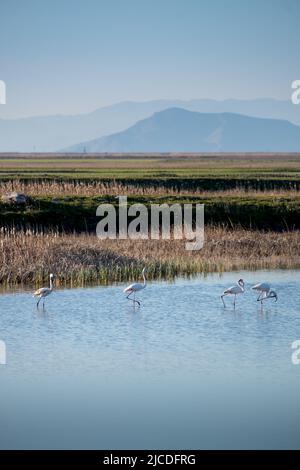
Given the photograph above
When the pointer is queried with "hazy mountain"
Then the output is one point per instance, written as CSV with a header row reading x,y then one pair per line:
x,y
178,130
50,133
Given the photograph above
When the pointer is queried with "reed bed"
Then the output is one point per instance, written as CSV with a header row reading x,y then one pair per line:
x,y
80,259
115,188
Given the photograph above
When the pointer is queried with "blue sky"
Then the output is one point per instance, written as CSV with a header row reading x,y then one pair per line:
x,y
69,56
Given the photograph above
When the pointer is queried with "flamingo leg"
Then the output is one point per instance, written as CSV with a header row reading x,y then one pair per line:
x,y
37,305
234,300
259,297
223,299
137,301
133,299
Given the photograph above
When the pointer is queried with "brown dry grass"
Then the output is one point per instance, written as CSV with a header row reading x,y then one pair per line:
x,y
28,258
114,188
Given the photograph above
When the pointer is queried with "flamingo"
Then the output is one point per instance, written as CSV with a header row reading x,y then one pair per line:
x,y
265,292
133,288
44,291
239,288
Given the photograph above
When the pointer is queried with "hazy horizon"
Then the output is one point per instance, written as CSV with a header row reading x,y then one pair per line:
x,y
262,98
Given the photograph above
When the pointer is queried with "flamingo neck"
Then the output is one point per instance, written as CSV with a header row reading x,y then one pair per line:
x,y
145,281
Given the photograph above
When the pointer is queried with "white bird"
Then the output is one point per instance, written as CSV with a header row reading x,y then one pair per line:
x,y
265,292
44,291
239,288
133,288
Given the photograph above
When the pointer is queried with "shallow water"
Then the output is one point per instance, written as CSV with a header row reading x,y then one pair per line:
x,y
180,372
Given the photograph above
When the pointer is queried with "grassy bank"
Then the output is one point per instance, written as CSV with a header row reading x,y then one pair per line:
x,y
69,213
77,260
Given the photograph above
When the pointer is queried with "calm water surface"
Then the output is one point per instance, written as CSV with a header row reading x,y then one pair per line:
x,y
180,372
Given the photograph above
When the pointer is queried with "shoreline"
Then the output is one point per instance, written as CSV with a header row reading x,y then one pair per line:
x,y
15,289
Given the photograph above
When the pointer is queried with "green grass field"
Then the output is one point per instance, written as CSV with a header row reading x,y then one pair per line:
x,y
90,180
194,172
176,165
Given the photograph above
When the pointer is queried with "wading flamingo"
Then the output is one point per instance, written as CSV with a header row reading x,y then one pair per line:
x,y
44,291
133,288
265,292
234,290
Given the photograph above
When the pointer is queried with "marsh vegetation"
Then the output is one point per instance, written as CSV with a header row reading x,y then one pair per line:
x,y
252,208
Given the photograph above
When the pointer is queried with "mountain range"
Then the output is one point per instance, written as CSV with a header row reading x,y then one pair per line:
x,y
179,130
53,133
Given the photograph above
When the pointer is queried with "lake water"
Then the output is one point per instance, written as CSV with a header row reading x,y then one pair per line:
x,y
92,372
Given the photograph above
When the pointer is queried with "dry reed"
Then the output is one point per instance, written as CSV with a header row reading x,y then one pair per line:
x,y
115,188
76,260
